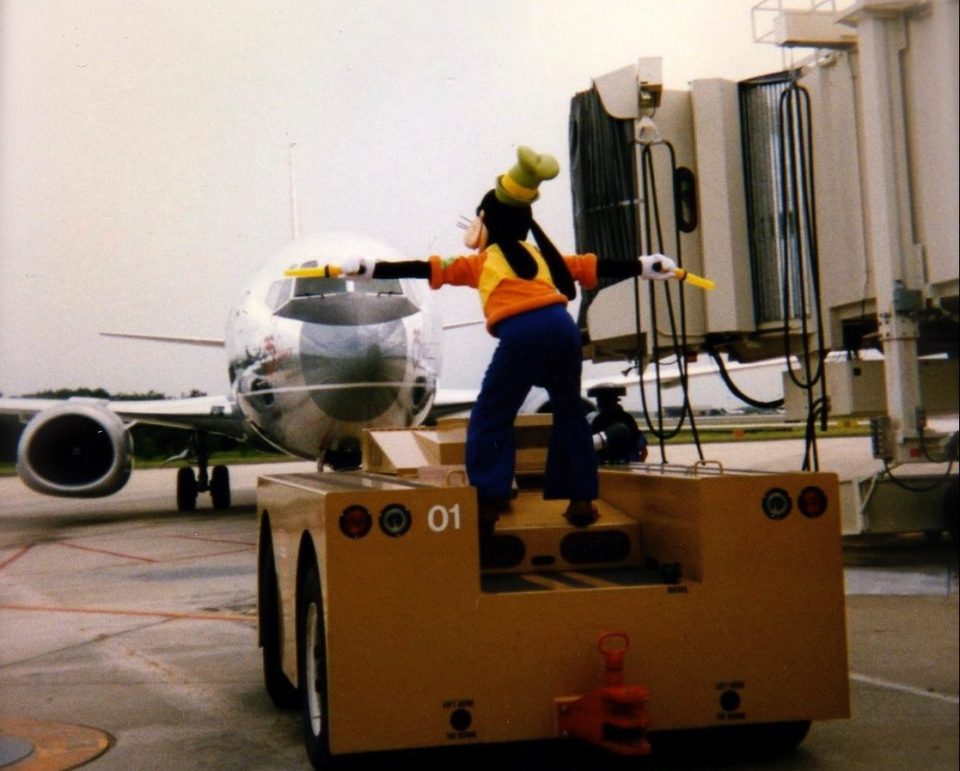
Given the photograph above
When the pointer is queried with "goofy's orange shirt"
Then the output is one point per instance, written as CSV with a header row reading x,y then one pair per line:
x,y
502,293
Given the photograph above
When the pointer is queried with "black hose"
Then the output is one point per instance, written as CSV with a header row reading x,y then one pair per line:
x,y
651,222
947,476
725,376
797,195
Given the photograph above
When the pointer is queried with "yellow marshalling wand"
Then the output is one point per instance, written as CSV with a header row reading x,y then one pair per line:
x,y
693,278
332,271
323,271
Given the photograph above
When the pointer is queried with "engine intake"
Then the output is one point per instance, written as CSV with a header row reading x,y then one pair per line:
x,y
75,450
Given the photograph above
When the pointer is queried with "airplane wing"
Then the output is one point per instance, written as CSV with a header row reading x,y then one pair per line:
x,y
203,342
450,401
216,414
82,448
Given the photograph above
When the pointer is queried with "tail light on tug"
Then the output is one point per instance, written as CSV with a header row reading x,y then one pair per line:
x,y
812,502
355,522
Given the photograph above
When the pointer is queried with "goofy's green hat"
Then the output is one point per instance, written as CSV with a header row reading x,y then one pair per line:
x,y
518,187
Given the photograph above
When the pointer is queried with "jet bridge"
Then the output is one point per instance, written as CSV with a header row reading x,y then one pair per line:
x,y
823,199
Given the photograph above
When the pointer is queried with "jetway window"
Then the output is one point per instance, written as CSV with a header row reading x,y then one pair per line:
x,y
685,193
379,286
604,188
774,229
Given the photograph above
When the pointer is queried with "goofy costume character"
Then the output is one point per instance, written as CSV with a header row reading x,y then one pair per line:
x,y
524,290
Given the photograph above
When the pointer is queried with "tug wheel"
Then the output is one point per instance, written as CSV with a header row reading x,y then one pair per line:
x,y
281,691
950,504
312,670
771,738
751,740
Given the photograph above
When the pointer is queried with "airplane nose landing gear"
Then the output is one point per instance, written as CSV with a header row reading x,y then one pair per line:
x,y
189,484
345,456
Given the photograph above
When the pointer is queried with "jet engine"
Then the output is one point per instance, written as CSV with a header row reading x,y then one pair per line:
x,y
75,450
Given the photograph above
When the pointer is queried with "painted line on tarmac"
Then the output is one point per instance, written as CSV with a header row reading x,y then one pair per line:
x,y
190,557
105,551
167,614
244,547
867,680
215,540
15,557
150,560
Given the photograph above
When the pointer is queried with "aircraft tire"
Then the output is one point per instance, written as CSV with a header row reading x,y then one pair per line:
x,y
186,489
312,670
220,488
281,691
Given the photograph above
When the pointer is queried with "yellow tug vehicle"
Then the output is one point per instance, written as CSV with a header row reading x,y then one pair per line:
x,y
702,598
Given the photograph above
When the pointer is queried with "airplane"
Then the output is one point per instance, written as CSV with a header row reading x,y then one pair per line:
x,y
312,361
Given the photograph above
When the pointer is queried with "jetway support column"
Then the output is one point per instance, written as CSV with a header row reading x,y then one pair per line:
x,y
895,257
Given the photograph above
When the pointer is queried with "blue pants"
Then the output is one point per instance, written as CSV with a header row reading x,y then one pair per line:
x,y
537,348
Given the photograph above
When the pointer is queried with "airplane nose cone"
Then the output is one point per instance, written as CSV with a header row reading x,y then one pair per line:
x,y
358,368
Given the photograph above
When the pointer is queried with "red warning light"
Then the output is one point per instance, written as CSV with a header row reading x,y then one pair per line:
x,y
812,502
355,522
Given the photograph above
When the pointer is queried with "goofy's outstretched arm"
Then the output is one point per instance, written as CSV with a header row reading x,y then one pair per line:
x,y
652,267
649,266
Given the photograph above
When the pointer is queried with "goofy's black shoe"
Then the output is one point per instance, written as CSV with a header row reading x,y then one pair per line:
x,y
581,513
489,511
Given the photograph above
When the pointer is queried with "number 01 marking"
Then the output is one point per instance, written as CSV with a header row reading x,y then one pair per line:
x,y
440,517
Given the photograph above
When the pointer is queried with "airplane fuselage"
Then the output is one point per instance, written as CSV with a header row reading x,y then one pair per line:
x,y
314,361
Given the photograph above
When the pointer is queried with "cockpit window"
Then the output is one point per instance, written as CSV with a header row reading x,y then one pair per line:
x,y
312,287
379,286
279,293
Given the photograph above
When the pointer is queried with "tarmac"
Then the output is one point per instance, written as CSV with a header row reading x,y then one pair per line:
x,y
128,640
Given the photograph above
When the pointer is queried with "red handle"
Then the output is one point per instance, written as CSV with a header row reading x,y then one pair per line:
x,y
613,647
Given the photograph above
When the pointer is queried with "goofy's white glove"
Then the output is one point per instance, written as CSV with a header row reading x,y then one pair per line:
x,y
657,266
358,267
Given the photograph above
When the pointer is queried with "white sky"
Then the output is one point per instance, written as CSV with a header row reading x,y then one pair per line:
x,y
143,150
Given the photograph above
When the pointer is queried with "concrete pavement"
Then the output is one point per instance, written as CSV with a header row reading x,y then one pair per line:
x,y
124,616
